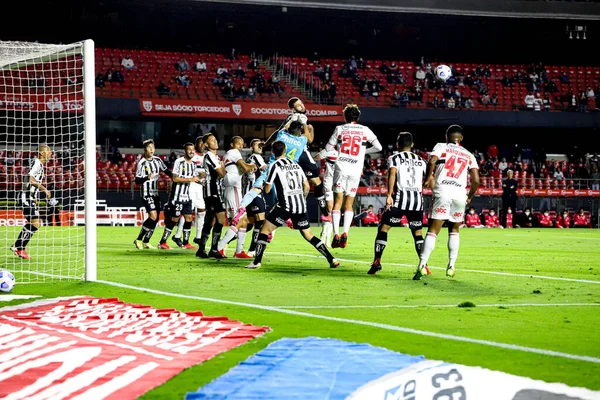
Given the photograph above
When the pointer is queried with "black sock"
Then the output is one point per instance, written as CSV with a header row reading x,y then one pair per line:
x,y
25,236
146,226
216,235
419,244
206,228
150,232
255,234
380,243
261,245
321,248
169,224
320,195
187,229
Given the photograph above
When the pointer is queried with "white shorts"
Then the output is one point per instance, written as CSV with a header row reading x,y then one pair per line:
x,y
328,181
197,196
449,207
233,200
345,184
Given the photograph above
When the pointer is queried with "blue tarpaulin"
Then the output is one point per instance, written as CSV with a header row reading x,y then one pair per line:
x,y
308,368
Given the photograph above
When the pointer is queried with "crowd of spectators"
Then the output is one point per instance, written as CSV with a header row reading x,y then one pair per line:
x,y
528,219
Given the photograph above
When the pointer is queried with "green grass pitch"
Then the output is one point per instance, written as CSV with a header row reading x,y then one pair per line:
x,y
539,289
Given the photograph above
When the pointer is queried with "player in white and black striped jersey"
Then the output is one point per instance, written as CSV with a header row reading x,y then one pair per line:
x,y
180,203
147,173
406,171
255,210
32,185
292,186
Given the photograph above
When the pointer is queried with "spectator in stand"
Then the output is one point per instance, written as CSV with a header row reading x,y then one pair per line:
x,y
472,219
492,220
233,54
332,92
485,99
127,62
200,66
583,100
538,104
546,220
253,65
222,71
108,77
589,92
550,87
100,80
162,89
519,77
72,79
487,72
419,74
239,72
436,102
183,79
558,174
492,152
563,221
384,68
564,78
529,100
533,77
368,217
509,195
241,91
506,81
182,65
595,177
469,103
526,219
581,220
494,100
547,102
118,77
252,91
451,102
502,165
375,90
509,218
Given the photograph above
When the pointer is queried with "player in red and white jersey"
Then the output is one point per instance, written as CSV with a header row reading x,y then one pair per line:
x,y
492,220
235,167
509,218
581,220
196,195
546,220
350,140
563,221
447,170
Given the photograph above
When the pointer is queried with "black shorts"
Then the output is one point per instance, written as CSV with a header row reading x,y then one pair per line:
x,y
393,216
308,165
30,211
214,204
278,217
256,207
179,208
151,203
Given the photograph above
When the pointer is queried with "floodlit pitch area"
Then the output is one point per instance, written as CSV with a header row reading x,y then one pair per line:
x,y
536,297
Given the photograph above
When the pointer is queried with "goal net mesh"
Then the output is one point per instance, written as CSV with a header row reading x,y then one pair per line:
x,y
42,103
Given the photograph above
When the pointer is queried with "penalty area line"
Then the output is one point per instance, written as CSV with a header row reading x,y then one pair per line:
x,y
442,306
456,338
475,271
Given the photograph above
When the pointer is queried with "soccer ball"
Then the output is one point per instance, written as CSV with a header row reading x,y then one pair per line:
x,y
443,72
7,281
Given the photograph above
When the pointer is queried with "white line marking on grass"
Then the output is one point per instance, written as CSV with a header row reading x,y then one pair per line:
x,y
579,238
490,343
444,306
476,271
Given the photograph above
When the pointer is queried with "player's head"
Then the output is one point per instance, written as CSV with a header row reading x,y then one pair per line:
x,y
210,141
405,141
581,211
370,208
278,149
237,143
199,144
351,113
149,147
189,150
257,146
44,153
509,210
295,128
296,105
510,173
527,211
492,212
454,134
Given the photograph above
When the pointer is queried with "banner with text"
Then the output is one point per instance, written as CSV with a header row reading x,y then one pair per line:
x,y
234,110
36,102
498,192
89,348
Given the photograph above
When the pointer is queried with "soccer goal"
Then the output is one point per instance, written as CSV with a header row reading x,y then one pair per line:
x,y
47,99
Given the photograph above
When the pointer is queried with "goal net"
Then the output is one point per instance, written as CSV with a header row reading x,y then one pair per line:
x,y
47,102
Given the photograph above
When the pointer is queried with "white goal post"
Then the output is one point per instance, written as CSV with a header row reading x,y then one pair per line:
x,y
47,98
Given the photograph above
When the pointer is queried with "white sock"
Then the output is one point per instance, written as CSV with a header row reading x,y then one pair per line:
x,y
199,223
428,247
241,237
327,226
179,228
348,215
336,216
230,234
453,245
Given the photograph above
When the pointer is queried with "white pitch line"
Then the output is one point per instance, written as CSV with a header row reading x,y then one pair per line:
x,y
476,271
490,343
444,306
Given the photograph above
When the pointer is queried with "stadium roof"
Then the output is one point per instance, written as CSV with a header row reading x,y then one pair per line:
x,y
487,8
